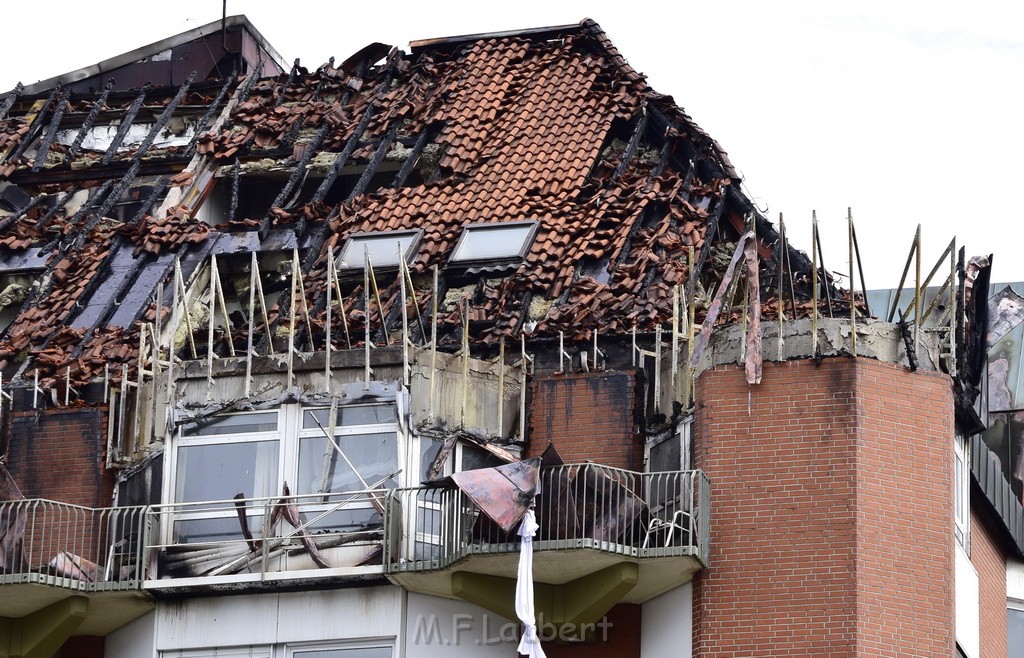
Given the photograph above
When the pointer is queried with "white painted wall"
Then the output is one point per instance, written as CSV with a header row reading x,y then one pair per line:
x,y
136,640
1015,580
271,618
968,605
445,628
666,627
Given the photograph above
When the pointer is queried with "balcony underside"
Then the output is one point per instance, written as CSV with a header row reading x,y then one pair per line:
x,y
654,575
104,611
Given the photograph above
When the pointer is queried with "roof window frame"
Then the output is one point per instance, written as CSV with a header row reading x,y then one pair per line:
x,y
528,241
410,251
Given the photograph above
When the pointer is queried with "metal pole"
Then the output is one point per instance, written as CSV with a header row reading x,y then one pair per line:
x,y
433,346
675,342
465,358
522,388
366,315
657,368
180,283
327,321
501,387
853,288
814,282
219,289
405,315
212,311
252,322
917,290
291,319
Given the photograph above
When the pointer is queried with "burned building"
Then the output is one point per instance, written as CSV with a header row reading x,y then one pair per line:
x,y
288,354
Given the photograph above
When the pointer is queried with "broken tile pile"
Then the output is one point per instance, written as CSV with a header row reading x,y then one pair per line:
x,y
551,127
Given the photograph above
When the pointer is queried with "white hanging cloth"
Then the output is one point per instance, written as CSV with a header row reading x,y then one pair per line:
x,y
529,644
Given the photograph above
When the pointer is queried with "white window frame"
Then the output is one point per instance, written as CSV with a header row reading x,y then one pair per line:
x,y
288,435
353,258
524,248
962,492
171,476
292,650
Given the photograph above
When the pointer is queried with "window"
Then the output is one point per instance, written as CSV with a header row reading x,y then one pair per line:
x,y
1015,630
962,483
364,649
341,651
382,248
255,454
495,241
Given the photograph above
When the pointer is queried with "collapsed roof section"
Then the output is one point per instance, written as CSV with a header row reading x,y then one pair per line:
x,y
610,184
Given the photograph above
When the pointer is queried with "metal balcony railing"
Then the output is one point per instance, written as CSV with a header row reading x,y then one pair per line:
x,y
581,506
79,548
279,535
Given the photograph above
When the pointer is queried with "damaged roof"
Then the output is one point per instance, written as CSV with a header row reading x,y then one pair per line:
x,y
107,189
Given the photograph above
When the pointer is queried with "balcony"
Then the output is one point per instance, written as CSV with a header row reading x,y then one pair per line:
x,y
257,543
606,535
57,560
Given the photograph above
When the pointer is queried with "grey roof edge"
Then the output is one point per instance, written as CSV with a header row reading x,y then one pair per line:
x,y
154,48
998,495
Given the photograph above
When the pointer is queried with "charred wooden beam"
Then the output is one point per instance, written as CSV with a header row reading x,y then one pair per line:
x,y
217,100
280,92
164,117
8,103
343,157
908,341
380,151
632,145
172,165
115,195
233,205
57,207
126,123
37,125
705,249
298,174
90,119
250,81
51,131
410,161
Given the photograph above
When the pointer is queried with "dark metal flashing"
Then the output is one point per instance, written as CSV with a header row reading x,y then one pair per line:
x,y
997,495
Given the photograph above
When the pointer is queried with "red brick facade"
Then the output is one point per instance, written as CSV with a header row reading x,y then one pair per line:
x,y
60,454
587,416
831,527
990,563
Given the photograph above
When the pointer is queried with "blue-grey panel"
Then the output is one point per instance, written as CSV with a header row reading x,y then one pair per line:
x,y
142,290
121,265
986,471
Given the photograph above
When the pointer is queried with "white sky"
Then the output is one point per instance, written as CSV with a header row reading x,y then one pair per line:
x,y
910,112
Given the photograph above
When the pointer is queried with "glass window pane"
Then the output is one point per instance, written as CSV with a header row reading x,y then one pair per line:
x,y
372,414
344,520
323,470
492,241
234,424
474,457
383,249
221,470
351,652
1015,633
228,528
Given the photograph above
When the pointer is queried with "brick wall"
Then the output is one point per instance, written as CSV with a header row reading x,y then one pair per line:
x,y
60,454
587,416
831,512
990,562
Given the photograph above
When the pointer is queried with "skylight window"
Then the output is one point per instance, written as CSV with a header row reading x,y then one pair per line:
x,y
382,247
496,241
